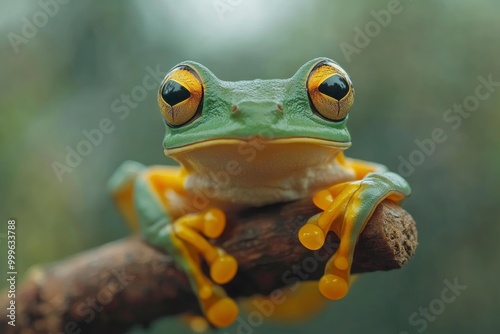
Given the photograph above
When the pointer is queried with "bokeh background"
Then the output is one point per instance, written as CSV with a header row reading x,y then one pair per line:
x,y
65,77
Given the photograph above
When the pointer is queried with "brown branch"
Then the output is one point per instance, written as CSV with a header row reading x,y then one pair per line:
x,y
118,285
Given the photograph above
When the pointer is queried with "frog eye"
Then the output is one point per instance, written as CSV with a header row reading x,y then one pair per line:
x,y
330,91
180,96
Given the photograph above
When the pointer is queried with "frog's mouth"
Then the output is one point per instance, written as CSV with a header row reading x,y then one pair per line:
x,y
256,141
257,155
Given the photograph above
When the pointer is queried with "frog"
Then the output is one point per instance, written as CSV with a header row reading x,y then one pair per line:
x,y
243,145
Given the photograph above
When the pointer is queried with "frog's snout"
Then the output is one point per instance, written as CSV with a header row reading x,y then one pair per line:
x,y
257,113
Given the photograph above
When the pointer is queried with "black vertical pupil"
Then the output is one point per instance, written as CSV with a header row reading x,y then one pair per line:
x,y
173,93
335,86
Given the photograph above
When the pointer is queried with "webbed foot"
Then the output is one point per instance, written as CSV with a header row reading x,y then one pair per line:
x,y
346,209
188,242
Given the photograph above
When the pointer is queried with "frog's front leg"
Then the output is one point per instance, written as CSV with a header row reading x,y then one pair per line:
x,y
347,207
183,236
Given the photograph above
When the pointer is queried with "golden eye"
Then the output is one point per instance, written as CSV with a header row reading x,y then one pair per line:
x,y
180,96
330,91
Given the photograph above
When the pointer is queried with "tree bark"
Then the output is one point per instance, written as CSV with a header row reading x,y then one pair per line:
x,y
116,286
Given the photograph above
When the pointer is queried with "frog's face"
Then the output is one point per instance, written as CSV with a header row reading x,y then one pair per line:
x,y
203,112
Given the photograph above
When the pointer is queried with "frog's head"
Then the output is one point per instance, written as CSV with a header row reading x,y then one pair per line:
x,y
209,116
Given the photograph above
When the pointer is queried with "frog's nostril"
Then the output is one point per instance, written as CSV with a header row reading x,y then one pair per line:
x,y
234,109
280,107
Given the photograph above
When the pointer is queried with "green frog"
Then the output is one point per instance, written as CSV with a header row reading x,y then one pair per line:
x,y
247,144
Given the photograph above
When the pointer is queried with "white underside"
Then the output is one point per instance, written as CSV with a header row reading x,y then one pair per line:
x,y
299,184
224,173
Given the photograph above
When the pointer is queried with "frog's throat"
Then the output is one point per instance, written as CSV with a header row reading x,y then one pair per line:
x,y
260,171
256,141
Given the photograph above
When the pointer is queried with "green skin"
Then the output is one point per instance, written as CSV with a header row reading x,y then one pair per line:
x,y
256,101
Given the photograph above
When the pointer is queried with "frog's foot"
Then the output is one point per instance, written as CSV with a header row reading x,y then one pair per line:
x,y
121,187
219,309
346,209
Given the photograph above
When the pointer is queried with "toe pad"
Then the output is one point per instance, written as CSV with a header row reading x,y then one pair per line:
x,y
333,286
222,313
215,222
223,269
311,236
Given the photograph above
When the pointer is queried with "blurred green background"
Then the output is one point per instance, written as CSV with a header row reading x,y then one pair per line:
x,y
64,78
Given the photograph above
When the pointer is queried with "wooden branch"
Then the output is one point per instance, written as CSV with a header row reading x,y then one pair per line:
x,y
111,288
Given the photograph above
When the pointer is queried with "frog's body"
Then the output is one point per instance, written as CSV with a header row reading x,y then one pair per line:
x,y
248,144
